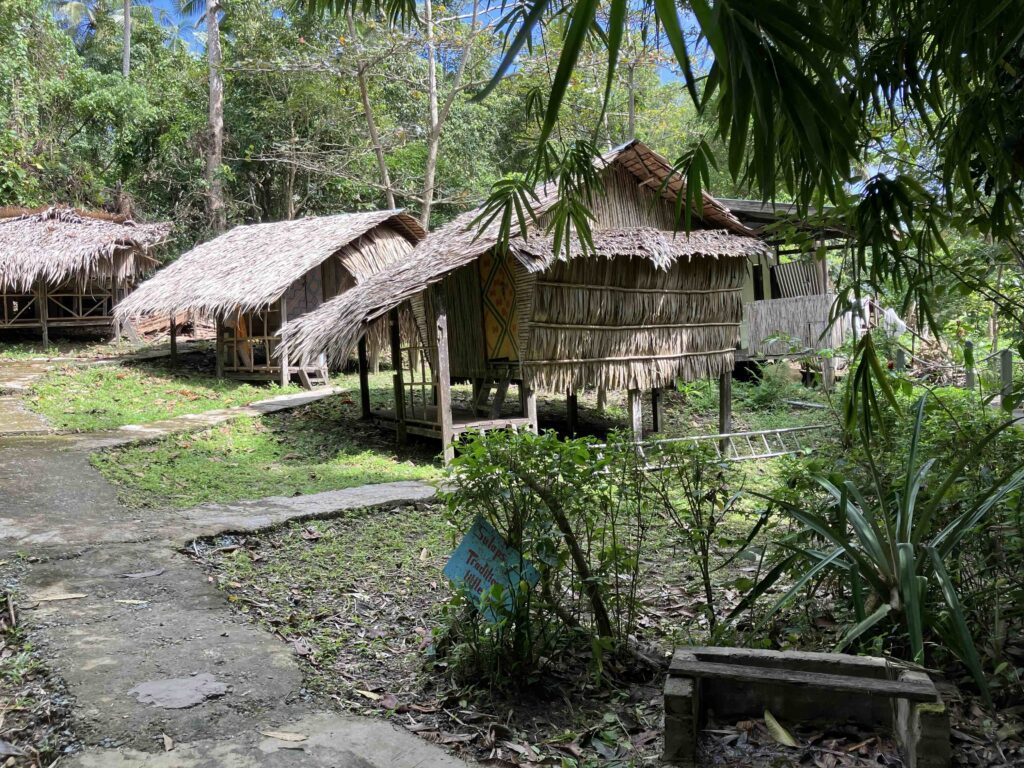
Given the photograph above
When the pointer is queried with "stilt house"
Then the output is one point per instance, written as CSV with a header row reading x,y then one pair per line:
x,y
648,307
64,268
255,279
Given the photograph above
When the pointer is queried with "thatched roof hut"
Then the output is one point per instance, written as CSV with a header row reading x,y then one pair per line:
x,y
649,306
255,278
67,268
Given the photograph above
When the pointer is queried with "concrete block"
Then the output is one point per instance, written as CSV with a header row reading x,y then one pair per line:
x,y
682,715
922,728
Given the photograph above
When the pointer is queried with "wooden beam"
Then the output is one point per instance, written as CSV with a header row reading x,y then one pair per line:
x,y
572,412
657,409
444,384
725,408
394,328
364,379
636,413
286,375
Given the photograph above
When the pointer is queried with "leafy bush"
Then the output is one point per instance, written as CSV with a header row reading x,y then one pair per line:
x,y
903,545
580,516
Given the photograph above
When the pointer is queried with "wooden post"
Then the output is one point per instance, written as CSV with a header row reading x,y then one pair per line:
x,y
364,379
530,405
286,375
174,340
572,412
602,400
114,298
396,364
444,384
901,360
657,409
44,314
636,414
971,381
725,408
1006,379
828,374
218,347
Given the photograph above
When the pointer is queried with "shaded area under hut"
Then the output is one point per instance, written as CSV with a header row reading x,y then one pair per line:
x,y
67,269
647,307
256,278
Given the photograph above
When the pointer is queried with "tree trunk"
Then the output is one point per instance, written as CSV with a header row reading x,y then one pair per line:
x,y
215,154
371,123
126,51
631,129
433,123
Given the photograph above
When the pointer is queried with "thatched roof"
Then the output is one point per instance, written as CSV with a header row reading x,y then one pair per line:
x,y
251,266
59,244
661,248
336,326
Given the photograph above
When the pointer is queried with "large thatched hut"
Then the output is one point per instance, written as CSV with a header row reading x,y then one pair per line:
x,y
65,268
254,279
648,307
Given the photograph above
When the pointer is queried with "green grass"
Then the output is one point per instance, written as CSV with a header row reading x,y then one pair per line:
x,y
78,349
319,447
83,399
324,446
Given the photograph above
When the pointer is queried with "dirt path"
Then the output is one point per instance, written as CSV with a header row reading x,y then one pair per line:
x,y
149,647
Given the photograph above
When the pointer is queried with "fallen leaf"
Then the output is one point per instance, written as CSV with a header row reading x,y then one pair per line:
x,y
780,734
284,735
132,602
9,750
168,742
369,695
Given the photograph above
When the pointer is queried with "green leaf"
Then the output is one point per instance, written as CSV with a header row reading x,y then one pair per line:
x,y
777,732
856,631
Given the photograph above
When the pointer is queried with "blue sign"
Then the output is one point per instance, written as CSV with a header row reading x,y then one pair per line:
x,y
482,560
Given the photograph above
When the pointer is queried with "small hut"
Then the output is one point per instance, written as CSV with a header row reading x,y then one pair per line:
x,y
65,268
647,307
256,278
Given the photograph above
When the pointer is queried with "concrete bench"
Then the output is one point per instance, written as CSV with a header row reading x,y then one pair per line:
x,y
736,683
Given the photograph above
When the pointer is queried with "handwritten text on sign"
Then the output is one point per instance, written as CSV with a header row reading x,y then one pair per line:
x,y
482,560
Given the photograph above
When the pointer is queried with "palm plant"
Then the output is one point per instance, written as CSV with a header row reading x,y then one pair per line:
x,y
890,545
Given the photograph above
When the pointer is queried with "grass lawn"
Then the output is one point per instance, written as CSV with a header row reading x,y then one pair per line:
x,y
324,445
319,447
78,349
84,399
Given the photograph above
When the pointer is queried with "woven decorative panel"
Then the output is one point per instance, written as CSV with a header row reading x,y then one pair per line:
x,y
501,321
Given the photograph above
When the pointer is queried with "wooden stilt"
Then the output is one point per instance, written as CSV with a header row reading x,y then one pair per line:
x,y
444,385
115,296
218,348
530,406
44,314
364,380
602,399
828,374
572,412
395,330
657,409
174,340
636,413
286,375
725,408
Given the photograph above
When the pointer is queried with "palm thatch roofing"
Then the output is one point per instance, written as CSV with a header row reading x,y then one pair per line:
x,y
251,266
336,326
59,244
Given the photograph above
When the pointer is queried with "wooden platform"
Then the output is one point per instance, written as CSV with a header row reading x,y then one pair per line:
x,y
462,421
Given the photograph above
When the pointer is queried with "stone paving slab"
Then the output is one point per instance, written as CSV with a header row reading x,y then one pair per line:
x,y
248,516
332,741
16,419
